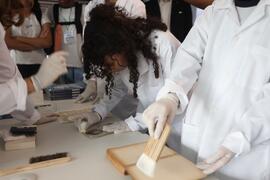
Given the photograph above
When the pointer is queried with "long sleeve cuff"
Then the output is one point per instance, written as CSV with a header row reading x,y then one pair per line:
x,y
171,87
237,143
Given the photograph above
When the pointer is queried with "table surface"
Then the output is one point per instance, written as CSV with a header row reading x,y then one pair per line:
x,y
88,154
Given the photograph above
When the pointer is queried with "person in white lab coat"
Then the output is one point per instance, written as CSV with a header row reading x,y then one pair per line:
x,y
134,8
13,87
133,55
225,60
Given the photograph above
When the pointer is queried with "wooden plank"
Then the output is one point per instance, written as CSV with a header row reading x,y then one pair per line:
x,y
27,142
170,165
172,168
125,156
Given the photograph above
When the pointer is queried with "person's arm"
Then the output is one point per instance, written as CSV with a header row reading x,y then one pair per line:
x,y
13,95
106,104
173,96
188,60
200,3
13,43
43,41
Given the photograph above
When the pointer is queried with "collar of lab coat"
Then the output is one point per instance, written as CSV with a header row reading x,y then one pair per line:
x,y
258,13
228,4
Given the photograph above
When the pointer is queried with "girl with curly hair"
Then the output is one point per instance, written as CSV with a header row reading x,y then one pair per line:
x,y
134,9
133,55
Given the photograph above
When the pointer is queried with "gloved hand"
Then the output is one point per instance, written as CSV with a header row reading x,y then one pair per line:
x,y
90,92
85,120
160,112
216,161
117,127
50,69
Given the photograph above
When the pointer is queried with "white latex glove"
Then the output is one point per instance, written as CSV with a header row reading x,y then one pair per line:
x,y
50,69
117,127
85,120
216,161
90,92
160,112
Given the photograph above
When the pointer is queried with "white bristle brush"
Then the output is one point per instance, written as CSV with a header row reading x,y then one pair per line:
x,y
152,151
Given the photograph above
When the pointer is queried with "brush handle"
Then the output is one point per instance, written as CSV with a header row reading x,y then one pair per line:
x,y
4,172
154,147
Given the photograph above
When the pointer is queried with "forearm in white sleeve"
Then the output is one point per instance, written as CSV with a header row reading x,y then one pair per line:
x,y
187,63
106,104
253,128
13,95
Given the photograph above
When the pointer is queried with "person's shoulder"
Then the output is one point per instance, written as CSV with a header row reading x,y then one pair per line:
x,y
165,38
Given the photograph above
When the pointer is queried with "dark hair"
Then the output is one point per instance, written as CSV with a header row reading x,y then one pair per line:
x,y
37,11
110,31
6,6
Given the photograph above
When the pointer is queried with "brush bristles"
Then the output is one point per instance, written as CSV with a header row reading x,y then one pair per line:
x,y
48,157
27,131
146,165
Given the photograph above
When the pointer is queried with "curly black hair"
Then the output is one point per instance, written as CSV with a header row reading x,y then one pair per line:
x,y
111,31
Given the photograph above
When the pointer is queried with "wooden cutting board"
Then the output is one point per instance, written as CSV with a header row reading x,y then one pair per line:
x,y
170,165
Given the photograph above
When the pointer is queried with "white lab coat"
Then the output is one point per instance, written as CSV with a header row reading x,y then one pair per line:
x,y
148,86
13,90
134,8
13,96
230,64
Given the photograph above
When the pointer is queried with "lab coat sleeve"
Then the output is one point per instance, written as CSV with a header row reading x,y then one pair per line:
x,y
28,116
105,105
134,8
166,47
253,128
12,86
13,95
188,60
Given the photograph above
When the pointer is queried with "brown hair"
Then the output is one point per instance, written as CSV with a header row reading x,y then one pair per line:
x,y
8,8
